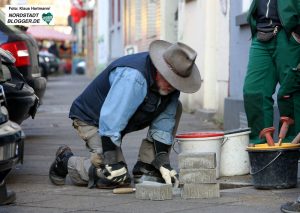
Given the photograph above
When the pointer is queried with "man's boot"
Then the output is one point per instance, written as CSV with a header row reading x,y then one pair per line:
x,y
6,196
112,173
143,170
59,168
146,172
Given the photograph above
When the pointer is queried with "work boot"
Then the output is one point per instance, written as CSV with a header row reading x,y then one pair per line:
x,y
109,176
291,207
6,196
59,168
146,172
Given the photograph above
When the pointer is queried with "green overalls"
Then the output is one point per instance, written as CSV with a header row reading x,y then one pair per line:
x,y
270,63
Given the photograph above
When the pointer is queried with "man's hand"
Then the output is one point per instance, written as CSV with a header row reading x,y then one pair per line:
x,y
168,174
162,163
96,159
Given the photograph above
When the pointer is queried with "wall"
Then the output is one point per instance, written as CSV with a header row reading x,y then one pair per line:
x,y
209,36
192,35
222,54
101,16
234,115
116,44
169,20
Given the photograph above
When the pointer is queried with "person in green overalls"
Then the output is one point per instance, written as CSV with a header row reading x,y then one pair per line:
x,y
273,58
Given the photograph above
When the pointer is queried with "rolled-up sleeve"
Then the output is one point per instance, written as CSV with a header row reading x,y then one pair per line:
x,y
162,127
127,92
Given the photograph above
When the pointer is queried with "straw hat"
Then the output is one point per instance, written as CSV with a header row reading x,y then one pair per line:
x,y
176,63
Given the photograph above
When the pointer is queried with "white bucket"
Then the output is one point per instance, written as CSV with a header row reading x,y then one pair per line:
x,y
203,143
234,157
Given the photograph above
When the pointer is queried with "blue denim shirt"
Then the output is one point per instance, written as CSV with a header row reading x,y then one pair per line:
x,y
128,90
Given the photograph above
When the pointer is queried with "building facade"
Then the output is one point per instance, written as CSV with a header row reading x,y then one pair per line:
x,y
216,29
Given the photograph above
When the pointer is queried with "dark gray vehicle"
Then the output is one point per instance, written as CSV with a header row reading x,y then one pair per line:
x,y
11,144
21,100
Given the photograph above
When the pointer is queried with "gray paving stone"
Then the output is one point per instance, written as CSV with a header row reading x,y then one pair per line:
x,y
192,190
197,160
153,191
197,176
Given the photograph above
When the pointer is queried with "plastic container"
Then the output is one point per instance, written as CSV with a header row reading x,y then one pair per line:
x,y
234,157
274,167
202,142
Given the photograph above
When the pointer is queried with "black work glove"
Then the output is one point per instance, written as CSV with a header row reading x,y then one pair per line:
x,y
109,174
162,162
115,173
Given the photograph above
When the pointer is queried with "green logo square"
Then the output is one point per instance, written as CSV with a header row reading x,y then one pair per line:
x,y
47,17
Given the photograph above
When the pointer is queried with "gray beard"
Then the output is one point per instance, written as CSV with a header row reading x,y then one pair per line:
x,y
163,92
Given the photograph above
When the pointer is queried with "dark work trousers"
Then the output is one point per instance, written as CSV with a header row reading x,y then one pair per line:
x,y
271,63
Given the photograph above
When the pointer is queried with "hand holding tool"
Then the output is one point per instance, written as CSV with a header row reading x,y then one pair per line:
x,y
286,122
267,133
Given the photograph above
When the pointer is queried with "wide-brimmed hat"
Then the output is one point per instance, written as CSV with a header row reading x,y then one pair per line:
x,y
176,63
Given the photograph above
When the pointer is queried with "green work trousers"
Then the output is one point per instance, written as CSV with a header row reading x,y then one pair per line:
x,y
271,63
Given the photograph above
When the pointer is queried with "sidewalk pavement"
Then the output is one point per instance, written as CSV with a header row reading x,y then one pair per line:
x,y
52,127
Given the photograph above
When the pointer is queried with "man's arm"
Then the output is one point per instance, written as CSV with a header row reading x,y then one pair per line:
x,y
127,92
161,133
161,129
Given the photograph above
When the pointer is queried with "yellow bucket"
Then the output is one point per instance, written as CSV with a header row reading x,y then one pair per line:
x,y
265,146
274,167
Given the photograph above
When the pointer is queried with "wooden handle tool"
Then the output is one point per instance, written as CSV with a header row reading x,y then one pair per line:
x,y
286,122
296,139
123,190
268,134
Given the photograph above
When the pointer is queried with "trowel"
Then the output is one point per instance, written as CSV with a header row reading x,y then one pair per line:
x,y
143,178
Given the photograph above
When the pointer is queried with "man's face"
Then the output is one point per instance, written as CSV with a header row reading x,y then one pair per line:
x,y
164,88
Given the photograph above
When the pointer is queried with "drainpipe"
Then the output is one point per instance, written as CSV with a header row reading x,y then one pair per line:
x,y
210,77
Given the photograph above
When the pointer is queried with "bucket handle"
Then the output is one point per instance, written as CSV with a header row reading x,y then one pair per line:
x,y
173,146
254,173
224,140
